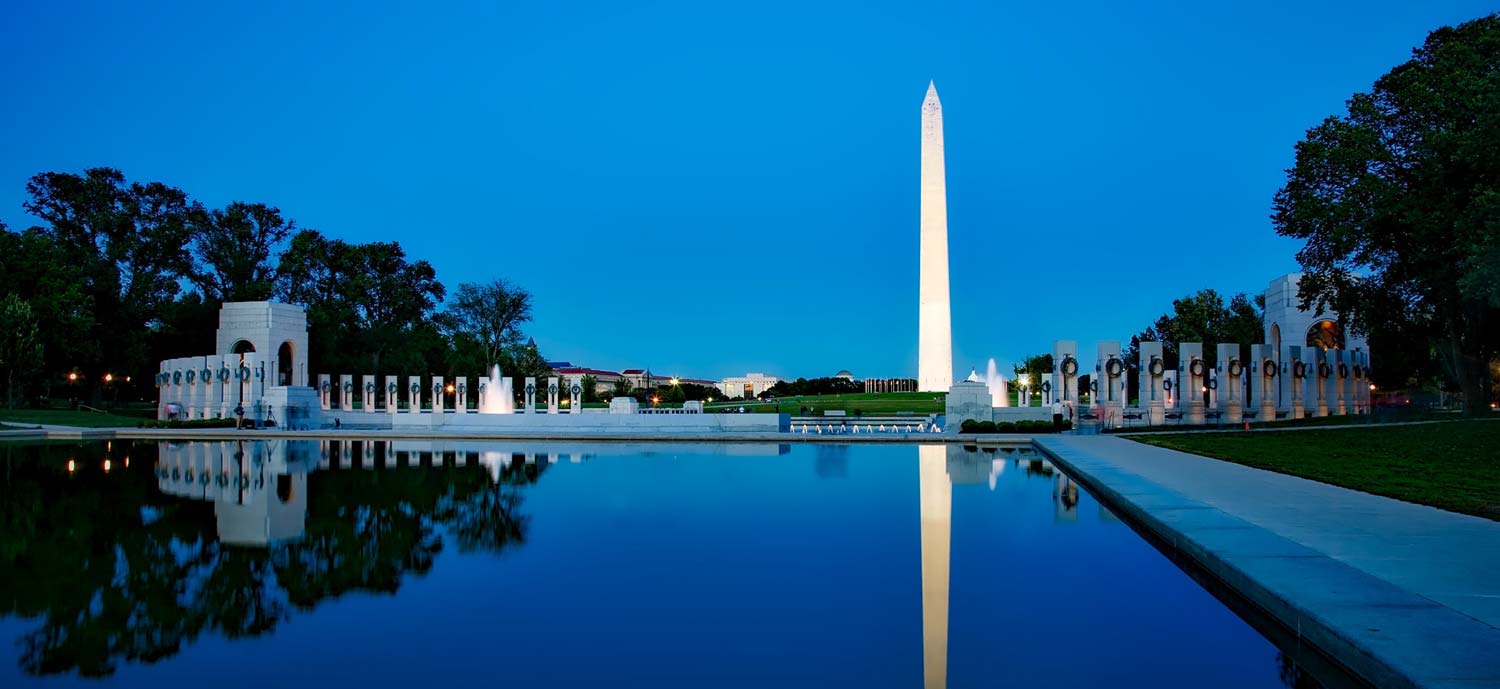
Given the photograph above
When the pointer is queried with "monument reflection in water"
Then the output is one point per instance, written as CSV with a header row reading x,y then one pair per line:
x,y
636,564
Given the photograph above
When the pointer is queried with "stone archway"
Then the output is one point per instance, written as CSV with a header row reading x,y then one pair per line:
x,y
284,356
1325,334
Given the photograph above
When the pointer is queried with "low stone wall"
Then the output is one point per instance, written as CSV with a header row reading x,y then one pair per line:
x,y
565,423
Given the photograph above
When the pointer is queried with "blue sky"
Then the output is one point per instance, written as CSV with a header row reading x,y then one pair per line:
x,y
711,188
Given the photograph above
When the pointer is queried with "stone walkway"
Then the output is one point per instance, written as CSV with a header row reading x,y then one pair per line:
x,y
1402,594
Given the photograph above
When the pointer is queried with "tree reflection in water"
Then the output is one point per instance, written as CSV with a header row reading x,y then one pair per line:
x,y
132,560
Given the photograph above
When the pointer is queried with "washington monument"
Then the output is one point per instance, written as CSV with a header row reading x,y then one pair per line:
x,y
934,330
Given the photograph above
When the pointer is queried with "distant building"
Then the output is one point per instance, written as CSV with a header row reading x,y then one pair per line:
x,y
639,378
747,386
890,385
844,374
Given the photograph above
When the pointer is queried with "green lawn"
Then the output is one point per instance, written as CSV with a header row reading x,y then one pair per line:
x,y
67,417
1454,465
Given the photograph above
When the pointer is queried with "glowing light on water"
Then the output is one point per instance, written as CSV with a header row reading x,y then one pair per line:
x,y
497,396
999,390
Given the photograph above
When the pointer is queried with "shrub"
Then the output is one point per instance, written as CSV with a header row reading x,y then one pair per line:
x,y
1005,427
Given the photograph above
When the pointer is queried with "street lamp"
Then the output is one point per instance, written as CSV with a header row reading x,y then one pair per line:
x,y
72,376
109,377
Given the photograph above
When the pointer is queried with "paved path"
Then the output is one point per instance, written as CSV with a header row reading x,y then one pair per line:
x,y
1402,594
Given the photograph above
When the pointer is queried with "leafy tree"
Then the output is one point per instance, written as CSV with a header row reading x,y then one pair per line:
x,y
232,249
1203,317
1399,204
1033,368
491,314
128,242
813,386
623,388
590,388
362,299
33,267
20,345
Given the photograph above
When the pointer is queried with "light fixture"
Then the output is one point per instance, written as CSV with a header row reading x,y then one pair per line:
x,y
450,388
72,376
106,466
72,466
109,377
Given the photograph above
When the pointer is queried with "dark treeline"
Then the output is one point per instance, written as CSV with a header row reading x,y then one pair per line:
x,y
121,274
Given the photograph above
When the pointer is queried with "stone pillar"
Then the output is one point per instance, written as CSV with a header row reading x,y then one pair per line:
x,y
1064,373
1231,387
1293,381
1360,378
530,394
1194,376
190,393
414,394
229,385
437,394
392,394
325,391
1171,390
208,377
346,392
1109,372
461,395
1263,373
367,403
1339,401
1149,392
1318,388
575,394
552,391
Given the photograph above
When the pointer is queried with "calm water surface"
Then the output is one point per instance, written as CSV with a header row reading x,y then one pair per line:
x,y
276,563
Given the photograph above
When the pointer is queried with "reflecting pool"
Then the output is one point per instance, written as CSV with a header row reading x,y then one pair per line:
x,y
292,563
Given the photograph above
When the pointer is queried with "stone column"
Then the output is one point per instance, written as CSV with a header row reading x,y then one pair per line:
x,y
325,391
346,392
552,391
530,395
1231,388
1064,373
414,394
208,377
437,394
1293,381
1150,394
1340,401
461,395
1171,390
1319,387
392,394
229,385
575,394
1195,371
371,387
1263,373
1109,372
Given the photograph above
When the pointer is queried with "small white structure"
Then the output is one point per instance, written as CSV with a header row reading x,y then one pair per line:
x,y
1064,387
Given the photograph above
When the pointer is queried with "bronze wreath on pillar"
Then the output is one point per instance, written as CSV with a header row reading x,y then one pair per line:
x,y
1069,366
1198,367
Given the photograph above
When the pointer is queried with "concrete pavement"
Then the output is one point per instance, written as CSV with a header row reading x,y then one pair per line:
x,y
1401,594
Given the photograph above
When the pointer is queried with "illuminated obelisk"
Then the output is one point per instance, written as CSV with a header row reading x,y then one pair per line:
x,y
934,329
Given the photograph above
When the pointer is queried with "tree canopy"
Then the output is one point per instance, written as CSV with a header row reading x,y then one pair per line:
x,y
124,273
1398,201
